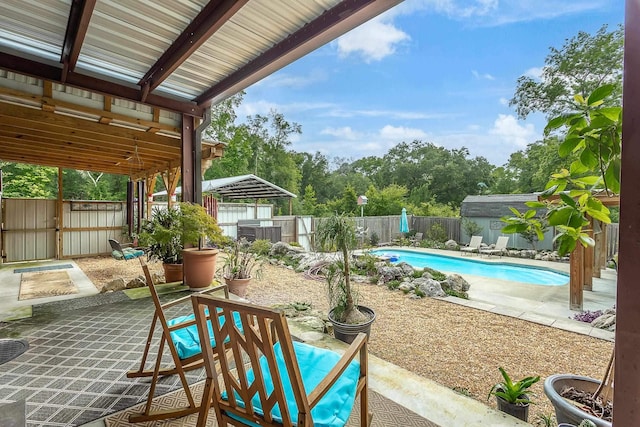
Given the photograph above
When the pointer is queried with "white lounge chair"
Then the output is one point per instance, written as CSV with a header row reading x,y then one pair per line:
x,y
473,246
500,247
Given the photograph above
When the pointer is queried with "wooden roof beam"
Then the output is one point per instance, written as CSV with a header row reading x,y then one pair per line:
x,y
213,16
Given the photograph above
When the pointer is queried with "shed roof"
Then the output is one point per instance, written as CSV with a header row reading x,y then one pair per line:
x,y
103,84
241,187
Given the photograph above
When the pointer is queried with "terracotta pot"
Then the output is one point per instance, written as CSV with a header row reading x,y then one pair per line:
x,y
238,286
346,332
199,266
172,272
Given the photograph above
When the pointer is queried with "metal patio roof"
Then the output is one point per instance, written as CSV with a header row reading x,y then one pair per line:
x,y
129,70
241,187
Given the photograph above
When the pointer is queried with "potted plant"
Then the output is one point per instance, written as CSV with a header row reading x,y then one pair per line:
x,y
162,235
240,266
198,227
511,396
338,232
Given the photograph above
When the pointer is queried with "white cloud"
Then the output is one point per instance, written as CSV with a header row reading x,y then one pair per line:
x,y
343,132
373,40
401,133
479,76
294,81
393,114
504,101
249,108
534,72
510,131
494,13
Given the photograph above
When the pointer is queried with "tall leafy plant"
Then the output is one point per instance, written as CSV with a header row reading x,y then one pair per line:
x,y
571,196
338,232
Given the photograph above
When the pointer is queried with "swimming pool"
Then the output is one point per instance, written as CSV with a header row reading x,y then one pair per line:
x,y
503,271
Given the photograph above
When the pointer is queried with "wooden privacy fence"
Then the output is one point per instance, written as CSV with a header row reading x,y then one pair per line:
x,y
387,228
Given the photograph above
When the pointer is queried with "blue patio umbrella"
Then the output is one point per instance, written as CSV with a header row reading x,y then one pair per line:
x,y
404,223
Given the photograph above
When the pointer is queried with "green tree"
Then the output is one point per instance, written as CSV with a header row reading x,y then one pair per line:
x,y
29,181
593,133
387,201
584,63
309,201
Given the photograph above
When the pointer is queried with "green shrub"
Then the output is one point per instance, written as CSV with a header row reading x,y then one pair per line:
x,y
455,293
419,292
437,232
296,244
417,274
393,284
260,247
374,239
437,275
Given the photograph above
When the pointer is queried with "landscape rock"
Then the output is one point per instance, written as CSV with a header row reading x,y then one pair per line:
x,y
429,287
450,244
406,287
114,285
138,282
282,248
605,321
456,283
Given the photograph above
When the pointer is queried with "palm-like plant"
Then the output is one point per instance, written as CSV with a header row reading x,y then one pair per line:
x,y
338,232
513,392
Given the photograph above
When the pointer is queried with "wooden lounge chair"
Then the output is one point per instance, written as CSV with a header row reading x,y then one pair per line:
x,y
124,250
473,246
284,383
181,337
500,247
416,239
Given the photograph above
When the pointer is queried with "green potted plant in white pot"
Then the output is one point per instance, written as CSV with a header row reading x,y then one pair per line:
x,y
338,232
200,230
240,266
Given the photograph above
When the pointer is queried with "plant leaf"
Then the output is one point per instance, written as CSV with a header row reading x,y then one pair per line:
x,y
600,93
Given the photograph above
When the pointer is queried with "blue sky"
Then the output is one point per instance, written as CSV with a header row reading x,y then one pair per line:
x,y
440,71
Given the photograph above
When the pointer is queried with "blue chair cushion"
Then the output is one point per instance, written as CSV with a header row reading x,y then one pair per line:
x,y
315,363
187,340
127,253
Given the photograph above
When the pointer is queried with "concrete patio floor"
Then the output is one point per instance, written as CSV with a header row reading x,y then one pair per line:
x,y
76,373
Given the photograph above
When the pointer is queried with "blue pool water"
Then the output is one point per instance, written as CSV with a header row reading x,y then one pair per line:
x,y
532,275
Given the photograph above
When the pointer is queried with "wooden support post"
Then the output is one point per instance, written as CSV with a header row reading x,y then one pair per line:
x,y
60,220
151,185
600,250
577,278
170,179
290,206
587,264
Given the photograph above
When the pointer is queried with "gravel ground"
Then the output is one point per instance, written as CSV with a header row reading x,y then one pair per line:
x,y
455,346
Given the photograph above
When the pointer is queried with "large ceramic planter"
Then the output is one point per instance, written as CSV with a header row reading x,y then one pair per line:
x,y
238,286
518,410
199,267
565,411
347,332
172,272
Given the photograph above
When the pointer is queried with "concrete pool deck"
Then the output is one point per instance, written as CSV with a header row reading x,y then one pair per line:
x,y
546,305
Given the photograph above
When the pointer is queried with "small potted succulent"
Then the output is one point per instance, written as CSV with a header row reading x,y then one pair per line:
x,y
240,266
511,396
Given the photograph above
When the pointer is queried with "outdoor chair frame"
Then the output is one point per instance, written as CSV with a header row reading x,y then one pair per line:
x,y
180,366
247,383
499,248
416,239
473,246
126,250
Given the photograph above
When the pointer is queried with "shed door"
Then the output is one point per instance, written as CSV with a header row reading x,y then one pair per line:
x,y
28,229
